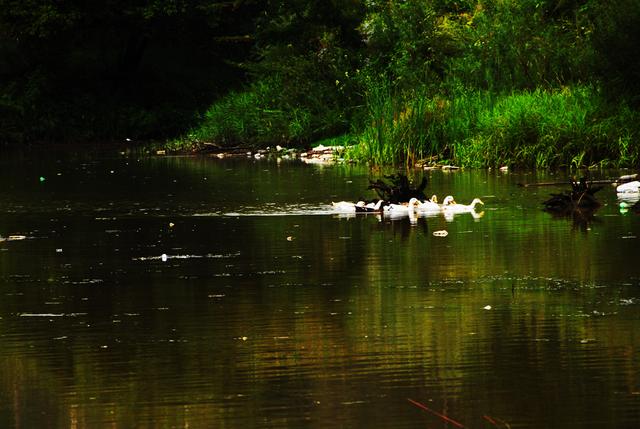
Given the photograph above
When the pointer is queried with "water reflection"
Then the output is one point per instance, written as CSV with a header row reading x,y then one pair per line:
x,y
204,305
629,202
356,356
581,219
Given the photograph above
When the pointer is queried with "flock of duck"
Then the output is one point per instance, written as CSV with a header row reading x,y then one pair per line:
x,y
430,206
579,198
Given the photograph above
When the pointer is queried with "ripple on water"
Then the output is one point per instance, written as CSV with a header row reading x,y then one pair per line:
x,y
275,210
165,257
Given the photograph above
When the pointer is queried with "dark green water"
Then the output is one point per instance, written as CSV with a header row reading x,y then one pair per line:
x,y
270,311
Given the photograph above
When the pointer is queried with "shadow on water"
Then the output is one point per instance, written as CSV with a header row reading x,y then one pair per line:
x,y
581,219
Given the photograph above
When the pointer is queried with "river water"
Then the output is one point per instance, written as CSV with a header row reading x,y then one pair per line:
x,y
199,292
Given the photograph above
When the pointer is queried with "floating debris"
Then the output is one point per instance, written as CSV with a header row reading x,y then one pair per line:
x,y
579,203
322,154
450,167
444,417
580,197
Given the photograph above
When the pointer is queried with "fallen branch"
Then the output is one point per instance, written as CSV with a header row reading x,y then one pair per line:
x,y
494,421
620,179
435,413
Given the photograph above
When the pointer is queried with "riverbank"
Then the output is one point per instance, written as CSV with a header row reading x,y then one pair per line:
x,y
568,127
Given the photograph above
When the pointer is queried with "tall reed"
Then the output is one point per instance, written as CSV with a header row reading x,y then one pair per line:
x,y
541,128
568,127
400,129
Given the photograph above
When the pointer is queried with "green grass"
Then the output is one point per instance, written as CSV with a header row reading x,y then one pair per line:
x,y
267,113
247,118
542,128
572,127
567,127
400,130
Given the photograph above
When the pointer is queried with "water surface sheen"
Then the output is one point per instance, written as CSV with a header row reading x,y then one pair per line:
x,y
198,292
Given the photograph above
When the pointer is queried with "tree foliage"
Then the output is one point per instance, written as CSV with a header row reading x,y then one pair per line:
x,y
151,68
113,68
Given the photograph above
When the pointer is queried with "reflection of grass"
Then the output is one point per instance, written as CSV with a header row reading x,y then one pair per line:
x,y
405,306
568,127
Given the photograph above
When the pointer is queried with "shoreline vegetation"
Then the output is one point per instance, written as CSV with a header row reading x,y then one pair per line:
x,y
495,83
571,127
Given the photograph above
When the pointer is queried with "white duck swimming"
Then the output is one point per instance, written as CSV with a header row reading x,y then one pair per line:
x,y
449,205
629,188
430,205
370,208
347,206
401,208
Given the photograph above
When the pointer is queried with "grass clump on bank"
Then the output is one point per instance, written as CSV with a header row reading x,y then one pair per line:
x,y
261,115
567,127
249,118
537,128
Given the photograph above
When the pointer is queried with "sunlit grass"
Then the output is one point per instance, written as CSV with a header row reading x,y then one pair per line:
x,y
543,128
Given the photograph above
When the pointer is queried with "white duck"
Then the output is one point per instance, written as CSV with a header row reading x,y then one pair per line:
x,y
629,188
400,208
370,208
449,205
347,206
430,205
